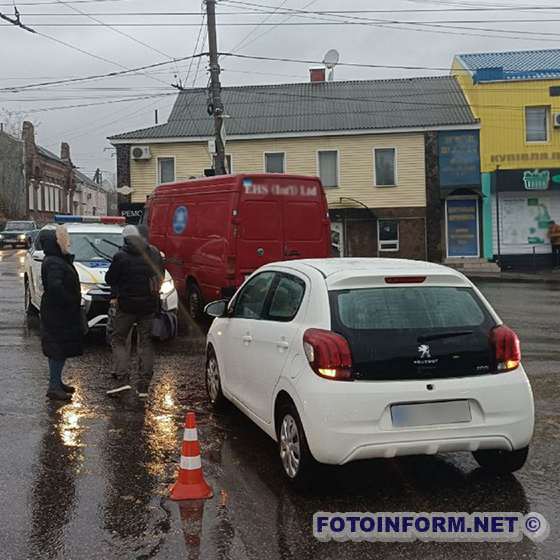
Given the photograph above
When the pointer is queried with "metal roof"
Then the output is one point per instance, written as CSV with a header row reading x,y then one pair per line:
x,y
513,65
318,107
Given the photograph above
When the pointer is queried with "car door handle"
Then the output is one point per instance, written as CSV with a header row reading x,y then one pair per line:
x,y
282,344
247,339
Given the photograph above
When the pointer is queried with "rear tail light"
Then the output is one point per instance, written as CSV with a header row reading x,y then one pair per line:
x,y
328,354
230,267
507,350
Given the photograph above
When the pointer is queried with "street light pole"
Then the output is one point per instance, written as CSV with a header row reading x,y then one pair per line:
x,y
215,105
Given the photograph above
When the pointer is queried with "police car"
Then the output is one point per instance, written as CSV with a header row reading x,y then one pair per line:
x,y
95,240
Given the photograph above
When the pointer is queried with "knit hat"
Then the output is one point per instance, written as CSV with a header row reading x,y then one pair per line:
x,y
130,231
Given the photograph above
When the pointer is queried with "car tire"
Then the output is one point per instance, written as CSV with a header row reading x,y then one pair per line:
x,y
30,309
298,465
195,302
501,462
214,383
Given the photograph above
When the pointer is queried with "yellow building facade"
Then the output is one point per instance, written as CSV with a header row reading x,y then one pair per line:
x,y
516,97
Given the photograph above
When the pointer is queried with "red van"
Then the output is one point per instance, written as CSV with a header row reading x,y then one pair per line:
x,y
215,231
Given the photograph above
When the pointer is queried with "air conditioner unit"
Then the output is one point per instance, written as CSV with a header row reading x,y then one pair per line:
x,y
556,120
141,152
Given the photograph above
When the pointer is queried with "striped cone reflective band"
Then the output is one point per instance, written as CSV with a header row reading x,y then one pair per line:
x,y
190,483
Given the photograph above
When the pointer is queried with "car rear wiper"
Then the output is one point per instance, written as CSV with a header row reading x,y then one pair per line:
x,y
98,252
111,243
438,336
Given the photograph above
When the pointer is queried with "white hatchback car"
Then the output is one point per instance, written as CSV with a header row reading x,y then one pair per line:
x,y
347,359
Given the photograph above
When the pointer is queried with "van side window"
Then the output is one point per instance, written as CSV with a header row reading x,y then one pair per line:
x,y
251,301
286,299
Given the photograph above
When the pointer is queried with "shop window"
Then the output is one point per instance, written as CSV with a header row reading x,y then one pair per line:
x,y
388,235
536,124
327,161
385,167
166,170
275,162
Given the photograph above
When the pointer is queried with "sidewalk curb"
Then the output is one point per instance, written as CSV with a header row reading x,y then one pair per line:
x,y
513,277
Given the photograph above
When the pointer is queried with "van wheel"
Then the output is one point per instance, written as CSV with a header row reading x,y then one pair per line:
x,y
29,307
213,383
297,462
501,462
195,302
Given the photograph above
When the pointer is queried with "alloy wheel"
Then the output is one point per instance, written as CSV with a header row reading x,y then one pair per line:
x,y
213,378
290,452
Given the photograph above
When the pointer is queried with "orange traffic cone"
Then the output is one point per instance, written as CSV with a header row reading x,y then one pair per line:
x,y
190,484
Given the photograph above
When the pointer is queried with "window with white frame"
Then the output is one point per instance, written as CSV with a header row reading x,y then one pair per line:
x,y
536,124
385,168
166,170
388,235
275,162
327,162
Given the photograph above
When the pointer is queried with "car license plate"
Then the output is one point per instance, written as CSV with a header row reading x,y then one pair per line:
x,y
430,414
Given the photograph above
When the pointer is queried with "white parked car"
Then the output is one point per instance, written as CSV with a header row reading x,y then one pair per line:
x,y
93,245
347,359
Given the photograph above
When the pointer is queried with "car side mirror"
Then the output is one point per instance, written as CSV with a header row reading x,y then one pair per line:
x,y
216,308
38,256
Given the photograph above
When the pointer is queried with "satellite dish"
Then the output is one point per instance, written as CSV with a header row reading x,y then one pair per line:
x,y
331,59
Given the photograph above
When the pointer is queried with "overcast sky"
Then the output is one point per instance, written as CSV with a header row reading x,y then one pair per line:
x,y
30,58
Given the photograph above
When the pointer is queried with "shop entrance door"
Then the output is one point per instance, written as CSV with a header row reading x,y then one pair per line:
x,y
462,227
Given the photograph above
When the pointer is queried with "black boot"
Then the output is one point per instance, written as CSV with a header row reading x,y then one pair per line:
x,y
68,388
58,394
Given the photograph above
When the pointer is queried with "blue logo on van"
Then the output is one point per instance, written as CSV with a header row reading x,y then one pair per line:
x,y
247,183
180,219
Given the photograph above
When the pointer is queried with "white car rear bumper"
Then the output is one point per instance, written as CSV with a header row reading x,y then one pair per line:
x,y
347,421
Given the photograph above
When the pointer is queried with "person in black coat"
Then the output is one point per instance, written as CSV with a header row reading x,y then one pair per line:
x,y
135,276
61,320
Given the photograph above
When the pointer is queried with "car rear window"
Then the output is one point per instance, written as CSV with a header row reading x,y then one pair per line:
x,y
409,308
414,332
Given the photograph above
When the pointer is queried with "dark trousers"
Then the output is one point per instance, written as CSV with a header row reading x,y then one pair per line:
x,y
556,256
122,326
55,372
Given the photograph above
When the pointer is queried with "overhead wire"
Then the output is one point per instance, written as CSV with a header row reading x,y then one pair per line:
x,y
127,35
97,76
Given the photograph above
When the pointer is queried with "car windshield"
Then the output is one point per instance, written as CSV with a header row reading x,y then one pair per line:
x,y
95,246
19,226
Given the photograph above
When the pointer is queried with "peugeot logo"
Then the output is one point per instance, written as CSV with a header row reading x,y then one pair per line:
x,y
424,351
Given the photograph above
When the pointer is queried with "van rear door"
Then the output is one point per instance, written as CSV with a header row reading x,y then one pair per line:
x,y
259,233
306,225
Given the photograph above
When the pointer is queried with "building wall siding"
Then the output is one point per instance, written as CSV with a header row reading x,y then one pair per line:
x,y
355,165
500,107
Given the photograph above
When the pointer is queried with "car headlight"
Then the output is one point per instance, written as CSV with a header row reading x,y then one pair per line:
x,y
1,236
85,287
167,287
22,237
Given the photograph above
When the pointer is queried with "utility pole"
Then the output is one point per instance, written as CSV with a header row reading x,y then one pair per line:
x,y
215,105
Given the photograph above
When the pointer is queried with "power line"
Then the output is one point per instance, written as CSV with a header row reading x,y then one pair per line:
x,y
202,27
47,109
98,76
132,38
395,25
350,64
240,43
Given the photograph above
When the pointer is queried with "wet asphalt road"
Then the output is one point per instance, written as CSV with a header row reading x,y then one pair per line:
x,y
89,480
